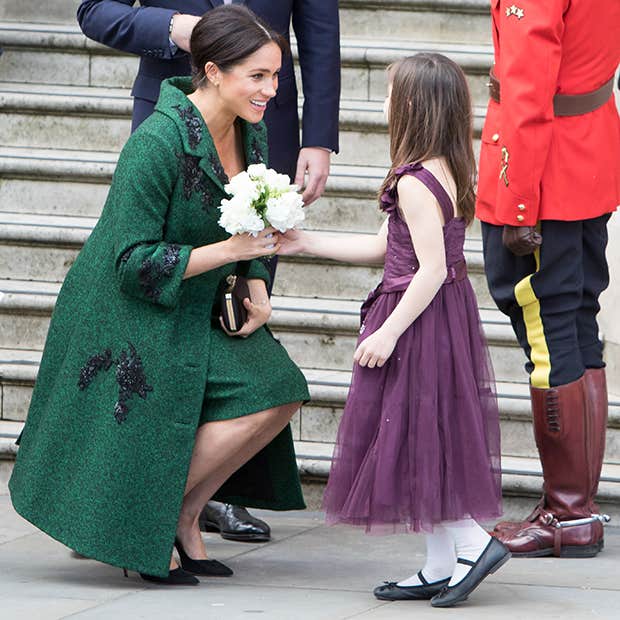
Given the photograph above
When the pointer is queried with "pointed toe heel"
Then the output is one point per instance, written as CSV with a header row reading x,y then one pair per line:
x,y
211,568
176,577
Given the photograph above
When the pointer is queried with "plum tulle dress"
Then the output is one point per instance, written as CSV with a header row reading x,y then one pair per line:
x,y
419,440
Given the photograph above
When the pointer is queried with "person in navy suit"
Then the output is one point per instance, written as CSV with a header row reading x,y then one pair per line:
x,y
159,32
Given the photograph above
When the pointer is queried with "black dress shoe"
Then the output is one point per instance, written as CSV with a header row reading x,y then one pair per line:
x,y
233,523
391,591
494,556
213,568
176,577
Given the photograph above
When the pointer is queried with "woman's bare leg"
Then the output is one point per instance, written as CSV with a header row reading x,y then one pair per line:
x,y
221,448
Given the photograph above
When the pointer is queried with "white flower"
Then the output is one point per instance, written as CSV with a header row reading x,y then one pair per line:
x,y
286,211
257,171
242,185
278,183
239,215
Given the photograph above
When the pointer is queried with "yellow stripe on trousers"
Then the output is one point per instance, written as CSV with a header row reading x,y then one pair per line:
x,y
539,355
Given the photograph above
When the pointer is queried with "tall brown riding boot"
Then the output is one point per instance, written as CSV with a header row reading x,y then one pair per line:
x,y
562,524
596,388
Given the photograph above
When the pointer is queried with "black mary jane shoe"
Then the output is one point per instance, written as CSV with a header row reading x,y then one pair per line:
x,y
233,523
494,556
212,568
176,577
391,591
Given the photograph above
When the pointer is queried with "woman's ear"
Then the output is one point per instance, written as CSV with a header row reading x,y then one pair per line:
x,y
212,73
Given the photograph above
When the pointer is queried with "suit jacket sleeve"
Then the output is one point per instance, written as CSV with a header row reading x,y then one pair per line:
x,y
147,266
317,30
530,34
121,26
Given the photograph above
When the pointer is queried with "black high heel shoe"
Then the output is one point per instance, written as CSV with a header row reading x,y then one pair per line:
x,y
176,577
212,568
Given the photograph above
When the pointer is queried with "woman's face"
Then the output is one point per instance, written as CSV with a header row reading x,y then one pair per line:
x,y
249,85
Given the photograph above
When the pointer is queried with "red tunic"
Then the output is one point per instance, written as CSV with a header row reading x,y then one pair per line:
x,y
534,165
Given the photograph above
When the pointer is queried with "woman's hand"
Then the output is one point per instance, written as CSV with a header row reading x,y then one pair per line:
x,y
375,350
258,315
292,242
246,247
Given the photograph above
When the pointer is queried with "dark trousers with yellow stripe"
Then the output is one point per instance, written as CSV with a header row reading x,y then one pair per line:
x,y
551,297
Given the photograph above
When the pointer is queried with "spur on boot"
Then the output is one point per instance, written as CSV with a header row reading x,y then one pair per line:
x,y
491,559
212,568
391,591
176,577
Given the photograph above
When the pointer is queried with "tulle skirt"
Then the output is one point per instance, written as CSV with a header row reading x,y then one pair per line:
x,y
419,440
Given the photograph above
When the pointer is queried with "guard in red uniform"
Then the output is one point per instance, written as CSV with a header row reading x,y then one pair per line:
x,y
549,180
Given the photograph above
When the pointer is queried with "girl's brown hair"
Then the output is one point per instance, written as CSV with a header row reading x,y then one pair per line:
x,y
430,116
226,36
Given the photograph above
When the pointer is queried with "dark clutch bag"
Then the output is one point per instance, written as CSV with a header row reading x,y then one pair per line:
x,y
234,313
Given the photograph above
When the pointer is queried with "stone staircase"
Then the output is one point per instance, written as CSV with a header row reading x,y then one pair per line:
x,y
65,114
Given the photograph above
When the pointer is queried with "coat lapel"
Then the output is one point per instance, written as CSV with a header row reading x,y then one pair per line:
x,y
197,141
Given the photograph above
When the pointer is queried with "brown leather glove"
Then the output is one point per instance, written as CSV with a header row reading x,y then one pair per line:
x,y
521,240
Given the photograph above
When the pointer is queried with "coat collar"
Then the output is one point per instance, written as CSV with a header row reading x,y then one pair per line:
x,y
197,141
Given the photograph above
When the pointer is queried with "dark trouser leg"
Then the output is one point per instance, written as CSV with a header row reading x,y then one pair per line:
x,y
547,307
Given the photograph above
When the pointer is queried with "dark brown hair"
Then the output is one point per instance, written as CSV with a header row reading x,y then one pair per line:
x,y
226,36
430,116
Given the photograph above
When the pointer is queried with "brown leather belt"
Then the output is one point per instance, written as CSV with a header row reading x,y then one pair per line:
x,y
567,105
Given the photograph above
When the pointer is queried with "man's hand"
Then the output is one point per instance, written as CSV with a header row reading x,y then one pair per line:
x,y
182,26
521,240
314,161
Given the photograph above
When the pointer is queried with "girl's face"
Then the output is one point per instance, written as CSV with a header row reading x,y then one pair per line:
x,y
386,103
249,85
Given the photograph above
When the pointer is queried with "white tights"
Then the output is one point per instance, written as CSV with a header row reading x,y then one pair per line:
x,y
449,540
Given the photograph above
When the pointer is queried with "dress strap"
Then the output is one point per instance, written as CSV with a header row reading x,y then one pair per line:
x,y
435,187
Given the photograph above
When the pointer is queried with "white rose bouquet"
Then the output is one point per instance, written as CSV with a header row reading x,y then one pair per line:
x,y
260,197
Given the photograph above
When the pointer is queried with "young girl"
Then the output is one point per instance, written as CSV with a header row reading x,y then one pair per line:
x,y
418,445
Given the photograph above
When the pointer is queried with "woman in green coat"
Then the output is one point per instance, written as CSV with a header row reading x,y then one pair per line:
x,y
144,406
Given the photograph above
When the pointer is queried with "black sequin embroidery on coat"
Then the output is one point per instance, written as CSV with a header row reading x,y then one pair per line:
x,y
192,122
217,167
95,363
256,152
130,377
131,380
194,179
152,272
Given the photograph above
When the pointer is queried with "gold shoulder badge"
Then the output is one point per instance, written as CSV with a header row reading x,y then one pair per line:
x,y
516,11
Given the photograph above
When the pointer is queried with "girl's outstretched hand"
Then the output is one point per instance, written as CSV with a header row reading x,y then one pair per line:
x,y
291,242
375,350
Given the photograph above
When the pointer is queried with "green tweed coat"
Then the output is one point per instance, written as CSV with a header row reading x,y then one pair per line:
x,y
105,451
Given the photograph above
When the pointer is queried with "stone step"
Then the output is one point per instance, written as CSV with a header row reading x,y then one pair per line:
x,y
99,119
318,333
62,55
76,183
430,20
318,420
43,247
521,476
49,12
521,481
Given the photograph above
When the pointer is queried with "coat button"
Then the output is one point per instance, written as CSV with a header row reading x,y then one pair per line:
x,y
521,207
520,218
495,137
